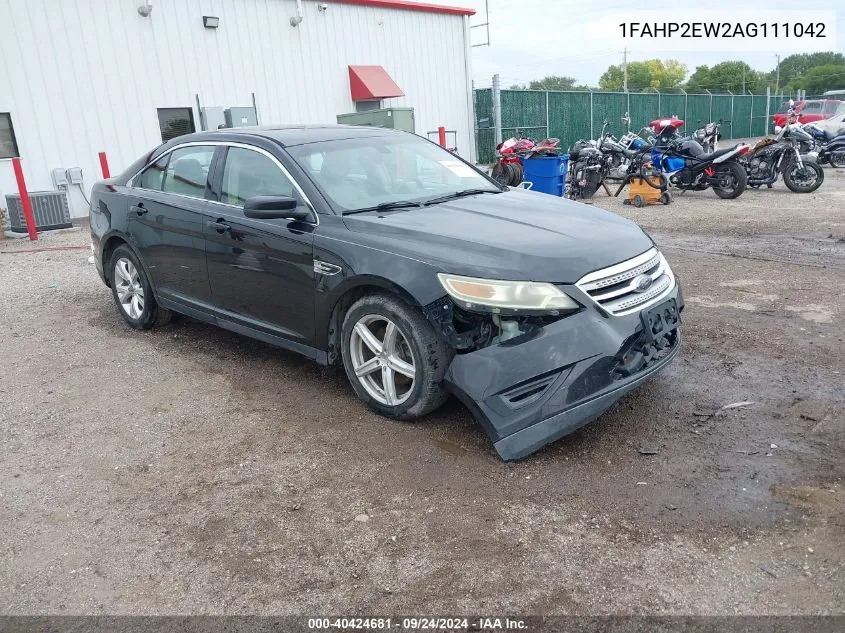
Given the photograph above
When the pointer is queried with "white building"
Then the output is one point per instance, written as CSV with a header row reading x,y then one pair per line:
x,y
78,77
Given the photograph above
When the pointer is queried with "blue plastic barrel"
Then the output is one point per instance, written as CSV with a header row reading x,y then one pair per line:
x,y
546,174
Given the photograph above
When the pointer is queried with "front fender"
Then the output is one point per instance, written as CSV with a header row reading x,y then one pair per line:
x,y
353,265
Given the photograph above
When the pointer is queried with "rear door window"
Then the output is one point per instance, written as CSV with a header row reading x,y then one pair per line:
x,y
187,171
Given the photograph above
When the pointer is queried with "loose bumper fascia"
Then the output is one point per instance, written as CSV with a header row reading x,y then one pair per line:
x,y
572,359
534,437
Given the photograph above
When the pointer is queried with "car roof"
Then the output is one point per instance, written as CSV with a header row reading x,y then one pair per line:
x,y
289,135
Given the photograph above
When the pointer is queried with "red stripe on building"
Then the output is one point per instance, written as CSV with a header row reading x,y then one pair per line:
x,y
409,5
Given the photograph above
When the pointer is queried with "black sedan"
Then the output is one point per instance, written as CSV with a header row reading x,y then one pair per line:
x,y
384,252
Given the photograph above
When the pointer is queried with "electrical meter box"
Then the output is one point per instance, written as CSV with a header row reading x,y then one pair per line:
x,y
240,117
393,118
74,175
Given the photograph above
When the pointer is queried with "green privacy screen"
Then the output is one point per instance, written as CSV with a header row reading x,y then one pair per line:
x,y
574,115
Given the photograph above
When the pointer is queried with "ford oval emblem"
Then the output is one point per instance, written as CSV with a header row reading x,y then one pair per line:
x,y
642,283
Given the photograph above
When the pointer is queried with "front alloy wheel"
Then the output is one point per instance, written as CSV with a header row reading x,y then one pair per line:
x,y
805,179
382,359
394,359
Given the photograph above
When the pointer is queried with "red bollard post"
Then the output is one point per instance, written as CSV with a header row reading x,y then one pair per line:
x,y
441,133
25,201
104,165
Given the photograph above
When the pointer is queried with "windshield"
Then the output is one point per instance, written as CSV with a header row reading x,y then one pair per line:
x,y
363,173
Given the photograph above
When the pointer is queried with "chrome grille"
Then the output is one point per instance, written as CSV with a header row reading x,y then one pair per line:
x,y
616,288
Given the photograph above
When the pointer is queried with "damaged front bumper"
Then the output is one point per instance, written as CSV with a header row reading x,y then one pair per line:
x,y
529,393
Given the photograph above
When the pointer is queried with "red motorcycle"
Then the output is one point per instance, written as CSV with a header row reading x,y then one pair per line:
x,y
509,169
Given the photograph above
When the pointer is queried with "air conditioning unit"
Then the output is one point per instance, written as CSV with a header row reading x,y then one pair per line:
x,y
50,209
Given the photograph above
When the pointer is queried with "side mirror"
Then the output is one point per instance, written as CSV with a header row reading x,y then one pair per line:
x,y
275,208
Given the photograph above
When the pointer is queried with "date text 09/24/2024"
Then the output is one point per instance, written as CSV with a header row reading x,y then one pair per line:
x,y
418,624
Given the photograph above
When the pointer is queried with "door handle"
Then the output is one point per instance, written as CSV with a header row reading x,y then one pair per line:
x,y
218,225
138,208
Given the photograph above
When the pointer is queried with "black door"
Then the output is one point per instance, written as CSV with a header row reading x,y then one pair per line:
x,y
166,218
261,271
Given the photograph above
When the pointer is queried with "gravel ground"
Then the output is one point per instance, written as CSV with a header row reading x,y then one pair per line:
x,y
191,470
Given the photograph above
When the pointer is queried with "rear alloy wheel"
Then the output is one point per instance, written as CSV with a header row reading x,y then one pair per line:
x,y
732,180
132,292
393,357
128,287
804,179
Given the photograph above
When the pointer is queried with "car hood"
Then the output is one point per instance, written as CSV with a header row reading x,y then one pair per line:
x,y
517,235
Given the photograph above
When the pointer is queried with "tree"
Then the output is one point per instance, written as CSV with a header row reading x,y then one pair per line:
x,y
735,76
553,82
800,64
648,75
820,78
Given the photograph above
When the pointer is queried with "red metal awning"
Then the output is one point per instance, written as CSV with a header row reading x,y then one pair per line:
x,y
372,82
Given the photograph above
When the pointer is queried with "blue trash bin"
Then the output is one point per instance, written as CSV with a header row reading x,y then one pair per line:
x,y
547,174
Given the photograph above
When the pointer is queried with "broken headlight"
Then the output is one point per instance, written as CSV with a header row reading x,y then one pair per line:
x,y
506,296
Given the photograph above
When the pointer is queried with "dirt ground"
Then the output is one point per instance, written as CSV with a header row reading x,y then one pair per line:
x,y
191,470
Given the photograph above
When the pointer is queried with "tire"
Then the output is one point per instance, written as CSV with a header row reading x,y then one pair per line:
x,y
799,186
638,201
499,173
132,293
414,343
837,159
665,198
739,177
516,172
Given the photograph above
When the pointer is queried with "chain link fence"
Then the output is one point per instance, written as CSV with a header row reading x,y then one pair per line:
x,y
574,115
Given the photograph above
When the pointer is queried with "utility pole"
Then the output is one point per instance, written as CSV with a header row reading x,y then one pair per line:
x,y
497,110
777,80
625,69
743,80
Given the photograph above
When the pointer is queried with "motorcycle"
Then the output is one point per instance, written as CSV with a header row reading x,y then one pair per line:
x,y
708,136
588,168
781,155
509,169
829,146
688,167
617,150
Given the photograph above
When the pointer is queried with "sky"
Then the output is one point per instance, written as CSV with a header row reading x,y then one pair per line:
x,y
530,39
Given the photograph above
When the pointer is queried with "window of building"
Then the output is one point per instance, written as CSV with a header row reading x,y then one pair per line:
x,y
175,122
187,171
8,143
248,173
367,106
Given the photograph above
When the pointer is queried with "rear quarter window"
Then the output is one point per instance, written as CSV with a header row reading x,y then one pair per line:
x,y
153,176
